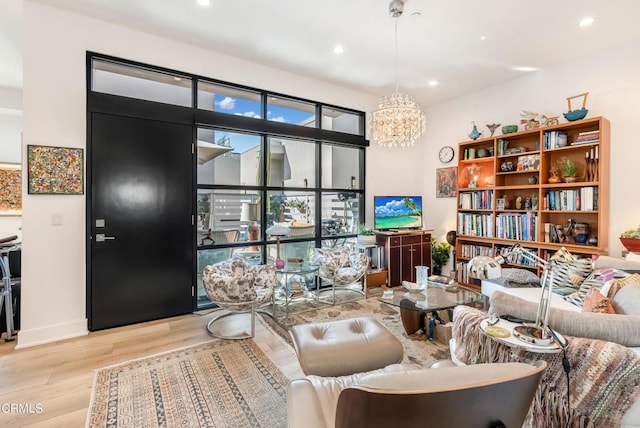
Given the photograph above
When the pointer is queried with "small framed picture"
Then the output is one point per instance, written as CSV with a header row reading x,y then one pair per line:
x,y
10,189
55,170
447,182
500,204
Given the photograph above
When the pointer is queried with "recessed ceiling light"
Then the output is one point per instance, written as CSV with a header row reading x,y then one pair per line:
x,y
433,83
203,2
177,79
586,21
525,68
483,37
416,14
338,49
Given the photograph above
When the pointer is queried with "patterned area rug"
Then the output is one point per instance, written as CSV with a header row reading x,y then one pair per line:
x,y
213,384
417,348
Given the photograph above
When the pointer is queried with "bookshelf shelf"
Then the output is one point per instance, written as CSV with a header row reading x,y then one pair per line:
x,y
486,229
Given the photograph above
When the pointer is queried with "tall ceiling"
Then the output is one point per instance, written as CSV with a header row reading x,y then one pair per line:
x,y
464,45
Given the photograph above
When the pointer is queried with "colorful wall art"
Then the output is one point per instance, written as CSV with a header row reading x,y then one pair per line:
x,y
55,170
10,189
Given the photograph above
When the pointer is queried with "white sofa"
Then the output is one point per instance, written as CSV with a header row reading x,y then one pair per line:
x,y
562,310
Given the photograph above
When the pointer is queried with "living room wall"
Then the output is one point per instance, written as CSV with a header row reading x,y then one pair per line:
x,y
55,43
10,136
613,80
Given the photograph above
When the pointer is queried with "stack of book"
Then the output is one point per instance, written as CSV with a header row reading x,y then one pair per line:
x,y
587,137
554,139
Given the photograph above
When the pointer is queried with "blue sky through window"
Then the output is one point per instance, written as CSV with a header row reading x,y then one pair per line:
x,y
250,108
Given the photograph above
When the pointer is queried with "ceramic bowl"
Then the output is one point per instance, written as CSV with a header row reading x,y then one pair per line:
x,y
508,129
575,114
482,153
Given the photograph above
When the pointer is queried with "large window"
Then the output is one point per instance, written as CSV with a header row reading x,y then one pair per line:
x,y
261,159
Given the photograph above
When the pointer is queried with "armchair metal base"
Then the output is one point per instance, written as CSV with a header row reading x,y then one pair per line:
x,y
333,289
227,313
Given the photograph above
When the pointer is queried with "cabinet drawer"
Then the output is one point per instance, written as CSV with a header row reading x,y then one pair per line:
x,y
412,239
394,241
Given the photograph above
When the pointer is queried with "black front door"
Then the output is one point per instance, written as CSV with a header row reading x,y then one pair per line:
x,y
141,207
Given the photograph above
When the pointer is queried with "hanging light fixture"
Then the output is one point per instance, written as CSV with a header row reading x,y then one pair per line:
x,y
398,120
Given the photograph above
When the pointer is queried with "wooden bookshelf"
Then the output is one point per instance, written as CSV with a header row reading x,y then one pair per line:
x,y
506,197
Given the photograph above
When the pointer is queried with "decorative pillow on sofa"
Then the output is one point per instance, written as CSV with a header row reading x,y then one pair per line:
x,y
612,287
521,276
568,276
594,301
597,279
627,301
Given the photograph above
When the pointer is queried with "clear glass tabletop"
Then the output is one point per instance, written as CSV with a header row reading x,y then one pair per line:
x,y
435,297
299,268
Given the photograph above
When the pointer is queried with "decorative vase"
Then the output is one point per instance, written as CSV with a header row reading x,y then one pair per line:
x,y
533,179
279,264
554,179
581,233
474,134
569,179
437,270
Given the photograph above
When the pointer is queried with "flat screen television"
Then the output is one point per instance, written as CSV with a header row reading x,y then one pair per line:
x,y
397,212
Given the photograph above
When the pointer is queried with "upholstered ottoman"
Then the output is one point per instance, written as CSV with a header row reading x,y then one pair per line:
x,y
340,348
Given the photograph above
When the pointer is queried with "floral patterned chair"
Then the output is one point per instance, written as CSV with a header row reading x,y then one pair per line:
x,y
238,287
340,267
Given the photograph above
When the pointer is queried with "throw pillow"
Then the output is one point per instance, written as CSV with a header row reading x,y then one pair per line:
x,y
612,287
520,276
632,257
596,302
568,276
627,300
597,279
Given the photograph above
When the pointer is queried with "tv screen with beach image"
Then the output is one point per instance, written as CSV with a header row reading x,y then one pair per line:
x,y
397,212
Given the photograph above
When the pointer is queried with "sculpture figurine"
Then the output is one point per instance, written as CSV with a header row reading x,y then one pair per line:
x,y
475,134
493,128
519,202
532,120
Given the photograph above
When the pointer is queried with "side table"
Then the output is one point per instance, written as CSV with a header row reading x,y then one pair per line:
x,y
514,342
293,281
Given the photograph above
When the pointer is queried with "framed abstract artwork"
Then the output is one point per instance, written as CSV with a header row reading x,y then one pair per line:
x,y
55,170
10,189
447,182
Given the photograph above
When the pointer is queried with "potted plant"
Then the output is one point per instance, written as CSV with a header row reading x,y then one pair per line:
x,y
568,169
366,236
440,253
631,239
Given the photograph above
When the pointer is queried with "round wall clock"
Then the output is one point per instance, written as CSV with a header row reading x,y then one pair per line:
x,y
446,154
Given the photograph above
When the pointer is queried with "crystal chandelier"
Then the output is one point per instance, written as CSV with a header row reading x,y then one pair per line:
x,y
398,120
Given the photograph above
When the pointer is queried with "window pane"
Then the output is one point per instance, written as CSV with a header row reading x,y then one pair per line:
x,y
136,82
227,99
290,111
295,209
227,216
341,167
228,158
342,121
292,163
340,213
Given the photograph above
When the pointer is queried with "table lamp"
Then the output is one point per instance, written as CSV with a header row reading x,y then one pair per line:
x,y
249,214
484,267
278,231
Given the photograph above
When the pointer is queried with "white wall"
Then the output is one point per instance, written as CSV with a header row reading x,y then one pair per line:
x,y
55,42
10,136
613,80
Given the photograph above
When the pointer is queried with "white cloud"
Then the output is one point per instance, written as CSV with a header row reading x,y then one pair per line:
x,y
227,103
278,119
249,114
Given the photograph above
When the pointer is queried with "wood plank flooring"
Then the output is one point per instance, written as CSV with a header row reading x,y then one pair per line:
x,y
58,376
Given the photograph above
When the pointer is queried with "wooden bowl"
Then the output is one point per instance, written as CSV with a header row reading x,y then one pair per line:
x,y
631,244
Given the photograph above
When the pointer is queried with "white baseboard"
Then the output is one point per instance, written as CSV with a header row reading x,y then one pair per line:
x,y
52,333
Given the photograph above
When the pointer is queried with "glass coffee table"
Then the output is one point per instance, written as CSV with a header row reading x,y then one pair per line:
x,y
414,305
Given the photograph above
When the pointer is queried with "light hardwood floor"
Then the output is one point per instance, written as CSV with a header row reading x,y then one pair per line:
x,y
58,376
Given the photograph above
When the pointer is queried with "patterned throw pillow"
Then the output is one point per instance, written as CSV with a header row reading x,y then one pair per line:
x,y
568,276
521,276
596,302
617,283
597,279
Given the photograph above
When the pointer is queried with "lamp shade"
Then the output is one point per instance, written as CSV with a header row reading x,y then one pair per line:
x,y
278,230
249,212
483,267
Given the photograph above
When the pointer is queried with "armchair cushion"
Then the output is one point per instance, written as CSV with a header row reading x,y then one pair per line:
x,y
330,260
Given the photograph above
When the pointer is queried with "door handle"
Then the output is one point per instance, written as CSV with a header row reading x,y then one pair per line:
x,y
101,237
